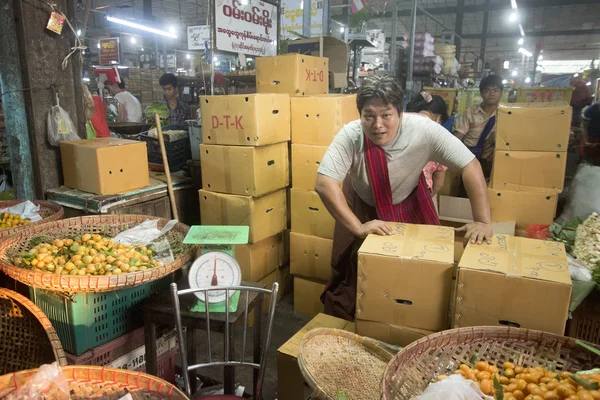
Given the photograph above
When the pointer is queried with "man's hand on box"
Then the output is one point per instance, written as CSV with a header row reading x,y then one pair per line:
x,y
477,232
376,227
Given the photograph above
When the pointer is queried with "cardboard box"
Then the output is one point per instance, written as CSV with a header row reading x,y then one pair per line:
x,y
105,165
317,119
307,296
309,215
456,212
405,279
310,256
533,126
306,160
334,49
245,119
524,170
242,170
388,333
294,74
290,382
525,208
516,282
259,259
266,215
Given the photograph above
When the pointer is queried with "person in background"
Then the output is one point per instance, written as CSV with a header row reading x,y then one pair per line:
x,y
180,111
380,160
436,109
590,126
130,108
476,128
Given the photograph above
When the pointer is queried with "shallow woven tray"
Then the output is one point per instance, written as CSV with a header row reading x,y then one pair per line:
x,y
27,338
107,225
414,367
98,382
49,212
333,361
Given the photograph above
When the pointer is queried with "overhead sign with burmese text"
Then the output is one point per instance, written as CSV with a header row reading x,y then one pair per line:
x,y
109,51
246,26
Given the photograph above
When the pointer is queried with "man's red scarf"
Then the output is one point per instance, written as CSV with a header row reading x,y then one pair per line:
x,y
417,208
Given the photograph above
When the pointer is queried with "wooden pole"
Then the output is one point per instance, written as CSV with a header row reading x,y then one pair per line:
x,y
161,141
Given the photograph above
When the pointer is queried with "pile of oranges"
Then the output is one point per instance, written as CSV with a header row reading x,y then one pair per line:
x,y
12,220
539,383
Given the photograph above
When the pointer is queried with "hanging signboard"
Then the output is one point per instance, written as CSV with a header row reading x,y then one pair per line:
x,y
292,16
377,38
197,36
109,51
246,26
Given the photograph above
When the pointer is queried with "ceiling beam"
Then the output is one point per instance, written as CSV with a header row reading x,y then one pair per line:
x,y
508,35
504,5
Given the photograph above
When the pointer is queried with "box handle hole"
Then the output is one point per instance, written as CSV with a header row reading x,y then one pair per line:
x,y
403,302
509,323
275,112
110,172
313,209
272,162
276,83
510,113
248,138
206,101
269,210
246,99
121,170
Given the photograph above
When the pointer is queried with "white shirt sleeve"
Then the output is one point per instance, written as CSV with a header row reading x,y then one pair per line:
x,y
339,156
446,149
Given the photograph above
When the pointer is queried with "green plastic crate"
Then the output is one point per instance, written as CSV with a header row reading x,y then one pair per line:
x,y
96,318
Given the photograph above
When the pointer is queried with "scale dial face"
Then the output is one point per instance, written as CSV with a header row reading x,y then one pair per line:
x,y
214,269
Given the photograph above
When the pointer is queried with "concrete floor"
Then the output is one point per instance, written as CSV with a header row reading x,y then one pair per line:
x,y
285,325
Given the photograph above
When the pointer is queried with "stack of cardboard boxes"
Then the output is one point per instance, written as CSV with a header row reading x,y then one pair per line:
x,y
315,122
245,173
529,162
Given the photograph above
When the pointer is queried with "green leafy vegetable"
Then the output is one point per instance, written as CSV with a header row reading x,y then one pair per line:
x,y
588,347
566,232
474,358
157,108
583,383
498,388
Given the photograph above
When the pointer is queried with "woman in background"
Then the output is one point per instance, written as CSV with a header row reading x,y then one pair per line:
x,y
436,109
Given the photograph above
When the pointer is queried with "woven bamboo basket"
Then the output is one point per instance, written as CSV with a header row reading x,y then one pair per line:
x,y
418,364
106,225
333,361
49,212
87,381
27,338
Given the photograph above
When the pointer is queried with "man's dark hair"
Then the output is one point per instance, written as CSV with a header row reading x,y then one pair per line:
x,y
437,106
122,84
491,81
168,79
385,88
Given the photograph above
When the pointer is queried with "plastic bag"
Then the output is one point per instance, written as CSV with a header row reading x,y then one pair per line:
x,y
454,387
60,126
537,231
48,383
26,209
147,233
578,271
584,194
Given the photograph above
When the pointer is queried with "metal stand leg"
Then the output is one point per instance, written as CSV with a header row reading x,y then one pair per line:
x,y
229,381
258,315
191,356
150,343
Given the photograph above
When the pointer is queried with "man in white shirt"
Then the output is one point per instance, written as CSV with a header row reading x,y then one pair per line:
x,y
130,108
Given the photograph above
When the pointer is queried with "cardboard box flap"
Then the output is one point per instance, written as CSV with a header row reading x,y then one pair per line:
x,y
424,242
102,142
516,256
320,321
530,108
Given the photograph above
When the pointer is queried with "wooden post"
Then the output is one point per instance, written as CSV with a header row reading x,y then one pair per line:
x,y
161,141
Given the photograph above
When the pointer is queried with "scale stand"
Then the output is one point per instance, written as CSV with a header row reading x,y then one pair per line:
x,y
216,265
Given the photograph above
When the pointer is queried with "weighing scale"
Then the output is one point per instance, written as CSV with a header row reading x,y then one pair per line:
x,y
216,265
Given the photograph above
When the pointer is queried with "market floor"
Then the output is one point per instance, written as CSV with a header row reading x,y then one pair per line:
x,y
285,325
